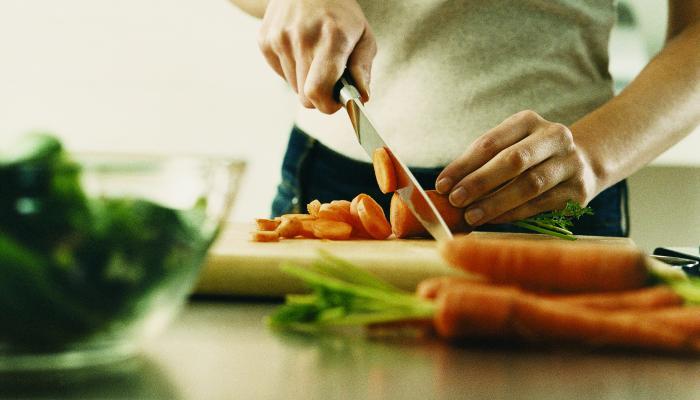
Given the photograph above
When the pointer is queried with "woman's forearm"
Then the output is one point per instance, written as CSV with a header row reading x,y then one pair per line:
x,y
256,8
657,109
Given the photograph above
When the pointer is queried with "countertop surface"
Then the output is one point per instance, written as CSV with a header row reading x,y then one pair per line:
x,y
222,350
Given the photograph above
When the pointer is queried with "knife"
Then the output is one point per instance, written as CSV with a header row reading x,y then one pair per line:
x,y
408,187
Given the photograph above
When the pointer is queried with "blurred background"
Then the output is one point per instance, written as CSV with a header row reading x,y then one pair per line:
x,y
186,76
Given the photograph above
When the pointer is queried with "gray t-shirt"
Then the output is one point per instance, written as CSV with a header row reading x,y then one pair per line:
x,y
448,70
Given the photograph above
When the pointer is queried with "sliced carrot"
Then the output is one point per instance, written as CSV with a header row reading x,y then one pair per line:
x,y
384,170
307,228
405,224
265,236
357,229
548,265
297,216
372,218
313,207
330,229
493,312
264,224
290,227
335,212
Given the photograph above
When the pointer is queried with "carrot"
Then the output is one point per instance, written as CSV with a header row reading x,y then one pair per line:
x,y
405,224
503,312
548,265
372,218
307,228
289,227
685,318
336,212
297,216
329,229
358,229
646,298
384,170
264,224
313,207
265,236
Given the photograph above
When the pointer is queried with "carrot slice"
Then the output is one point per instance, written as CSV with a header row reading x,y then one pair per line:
x,y
307,228
264,236
335,212
313,207
358,230
333,230
384,170
264,224
548,265
297,216
405,224
289,227
373,218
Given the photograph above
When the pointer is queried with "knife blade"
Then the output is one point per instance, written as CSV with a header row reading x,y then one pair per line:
x,y
408,187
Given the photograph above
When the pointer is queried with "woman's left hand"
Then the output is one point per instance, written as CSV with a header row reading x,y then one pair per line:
x,y
524,166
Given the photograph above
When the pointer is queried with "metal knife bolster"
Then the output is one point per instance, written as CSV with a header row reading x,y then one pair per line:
x,y
408,189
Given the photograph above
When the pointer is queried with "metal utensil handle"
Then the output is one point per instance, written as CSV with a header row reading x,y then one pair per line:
x,y
345,90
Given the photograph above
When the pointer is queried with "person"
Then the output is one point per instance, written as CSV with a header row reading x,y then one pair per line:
x,y
505,105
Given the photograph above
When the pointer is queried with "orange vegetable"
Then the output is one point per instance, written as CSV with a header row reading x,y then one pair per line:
x,y
265,236
313,207
548,265
384,170
404,223
336,211
647,298
289,227
507,312
307,228
358,229
297,216
329,229
264,224
372,218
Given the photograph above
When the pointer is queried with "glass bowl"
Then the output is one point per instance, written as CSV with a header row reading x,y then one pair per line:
x,y
99,252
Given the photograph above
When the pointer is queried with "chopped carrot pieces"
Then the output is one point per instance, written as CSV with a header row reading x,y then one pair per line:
x,y
329,229
373,218
265,236
384,170
266,224
290,227
313,208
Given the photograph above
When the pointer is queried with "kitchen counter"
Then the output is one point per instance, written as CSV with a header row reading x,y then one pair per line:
x,y
222,350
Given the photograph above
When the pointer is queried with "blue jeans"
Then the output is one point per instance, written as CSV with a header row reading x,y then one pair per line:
x,y
311,171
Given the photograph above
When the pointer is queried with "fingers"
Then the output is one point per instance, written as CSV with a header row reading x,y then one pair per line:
x,y
554,199
525,187
360,62
326,68
547,141
507,133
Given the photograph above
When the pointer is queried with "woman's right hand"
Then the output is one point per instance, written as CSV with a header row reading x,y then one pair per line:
x,y
310,42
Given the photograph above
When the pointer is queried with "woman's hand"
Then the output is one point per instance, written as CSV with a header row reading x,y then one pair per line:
x,y
524,166
310,42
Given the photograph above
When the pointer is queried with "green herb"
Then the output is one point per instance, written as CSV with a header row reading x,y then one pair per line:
x,y
555,223
685,286
344,295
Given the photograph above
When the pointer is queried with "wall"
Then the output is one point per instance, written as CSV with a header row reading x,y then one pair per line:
x,y
185,76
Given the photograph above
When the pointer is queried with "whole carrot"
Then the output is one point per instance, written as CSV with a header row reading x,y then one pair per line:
x,y
548,265
507,312
639,299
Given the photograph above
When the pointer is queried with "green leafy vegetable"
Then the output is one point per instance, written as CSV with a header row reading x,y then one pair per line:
x,y
555,223
344,295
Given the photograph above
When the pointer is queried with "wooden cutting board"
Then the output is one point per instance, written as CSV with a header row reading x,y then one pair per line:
x,y
237,266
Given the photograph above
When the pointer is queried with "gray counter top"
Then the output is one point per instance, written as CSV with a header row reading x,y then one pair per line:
x,y
222,350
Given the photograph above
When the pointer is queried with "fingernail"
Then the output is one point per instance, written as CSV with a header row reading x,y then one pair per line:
x,y
458,196
443,185
474,216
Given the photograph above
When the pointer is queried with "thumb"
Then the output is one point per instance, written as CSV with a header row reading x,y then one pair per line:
x,y
360,62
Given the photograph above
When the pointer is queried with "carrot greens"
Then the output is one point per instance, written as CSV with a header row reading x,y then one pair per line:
x,y
345,295
555,223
